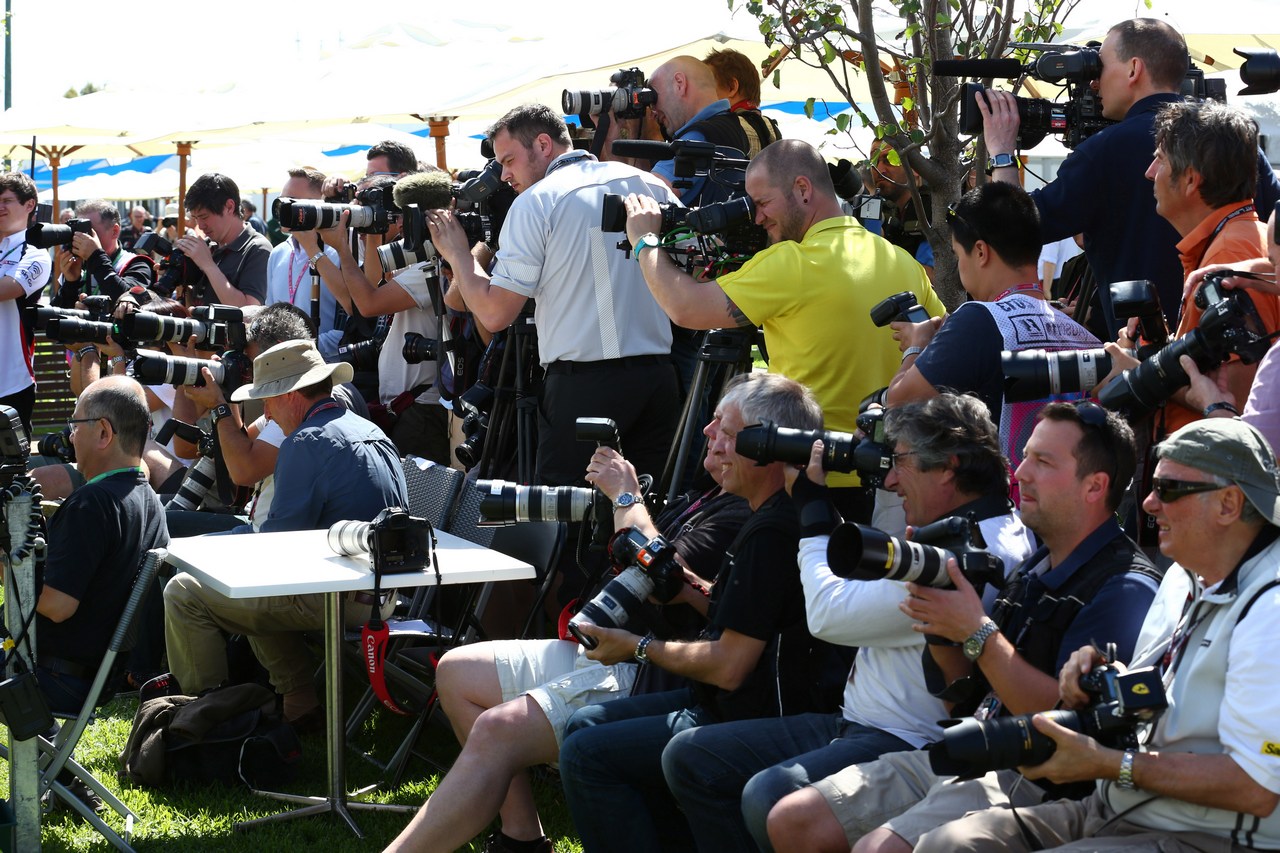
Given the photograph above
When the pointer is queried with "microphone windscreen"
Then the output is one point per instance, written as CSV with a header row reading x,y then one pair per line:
x,y
428,190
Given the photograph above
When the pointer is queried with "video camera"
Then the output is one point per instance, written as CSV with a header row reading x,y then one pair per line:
x,y
1229,325
372,212
871,457
44,235
627,99
646,568
395,540
858,552
1124,700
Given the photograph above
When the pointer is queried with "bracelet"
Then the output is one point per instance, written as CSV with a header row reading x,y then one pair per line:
x,y
1221,404
910,351
315,259
81,353
1125,778
114,360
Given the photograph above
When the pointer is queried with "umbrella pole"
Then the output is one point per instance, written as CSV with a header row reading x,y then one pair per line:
x,y
439,130
184,151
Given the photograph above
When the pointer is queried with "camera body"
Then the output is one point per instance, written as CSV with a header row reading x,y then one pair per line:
x,y
395,540
372,212
628,98
1123,701
44,235
901,307
647,568
57,445
871,457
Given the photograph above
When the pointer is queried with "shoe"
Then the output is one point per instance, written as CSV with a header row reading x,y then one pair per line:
x,y
497,843
310,723
81,792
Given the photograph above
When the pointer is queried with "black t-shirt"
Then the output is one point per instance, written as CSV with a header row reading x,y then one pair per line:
x,y
244,262
96,542
964,356
758,593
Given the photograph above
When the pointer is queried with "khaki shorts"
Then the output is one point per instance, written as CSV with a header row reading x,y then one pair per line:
x,y
559,676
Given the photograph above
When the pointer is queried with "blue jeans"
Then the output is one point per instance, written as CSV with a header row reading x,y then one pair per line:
x,y
732,774
611,768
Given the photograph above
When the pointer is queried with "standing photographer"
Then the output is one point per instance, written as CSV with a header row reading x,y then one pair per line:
x,y
24,271
1209,776
234,269
96,262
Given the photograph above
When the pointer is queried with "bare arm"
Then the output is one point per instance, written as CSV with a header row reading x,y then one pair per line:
x,y
724,663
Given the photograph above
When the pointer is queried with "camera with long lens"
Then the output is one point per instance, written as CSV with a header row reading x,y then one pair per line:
x,y
858,552
870,457
201,478
627,99
363,355
506,503
176,270
39,316
1229,325
395,540
418,348
215,327
45,235
899,308
373,214
646,568
1123,702
77,330
232,371
57,445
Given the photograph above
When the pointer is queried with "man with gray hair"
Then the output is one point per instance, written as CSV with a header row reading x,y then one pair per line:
x,y
1208,774
756,658
96,262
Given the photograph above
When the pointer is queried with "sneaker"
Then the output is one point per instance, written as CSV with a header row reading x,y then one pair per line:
x,y
81,792
497,843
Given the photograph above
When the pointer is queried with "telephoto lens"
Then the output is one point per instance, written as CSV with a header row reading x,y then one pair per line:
x,y
350,537
509,503
157,369
195,486
418,348
1035,374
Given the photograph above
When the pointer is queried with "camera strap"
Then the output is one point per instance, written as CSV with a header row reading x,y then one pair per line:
x,y
375,634
1239,211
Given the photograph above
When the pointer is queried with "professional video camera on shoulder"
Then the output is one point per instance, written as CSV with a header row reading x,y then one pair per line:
x,y
627,99
858,552
871,456
1123,701
372,212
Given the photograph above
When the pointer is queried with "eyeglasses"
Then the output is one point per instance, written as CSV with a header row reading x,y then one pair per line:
x,y
1167,491
71,424
897,456
954,217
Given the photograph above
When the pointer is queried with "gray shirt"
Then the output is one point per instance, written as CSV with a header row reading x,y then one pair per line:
x,y
592,301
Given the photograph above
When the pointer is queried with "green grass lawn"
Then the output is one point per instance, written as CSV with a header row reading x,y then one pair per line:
x,y
199,819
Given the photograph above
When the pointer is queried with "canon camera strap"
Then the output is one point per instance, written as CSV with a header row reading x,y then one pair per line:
x,y
376,633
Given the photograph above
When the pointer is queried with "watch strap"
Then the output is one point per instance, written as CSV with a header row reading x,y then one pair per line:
x,y
1125,777
625,500
977,641
220,411
641,653
646,241
1001,161
1221,404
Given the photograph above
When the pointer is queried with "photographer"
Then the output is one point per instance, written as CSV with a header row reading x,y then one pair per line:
x,y
96,263
995,233
900,223
24,271
1207,777
234,269
756,658
947,462
139,224
1088,582
333,466
812,290
602,338
1100,189
407,392
385,159
508,701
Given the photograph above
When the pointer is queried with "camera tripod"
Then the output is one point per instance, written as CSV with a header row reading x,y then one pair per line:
x,y
723,355
512,421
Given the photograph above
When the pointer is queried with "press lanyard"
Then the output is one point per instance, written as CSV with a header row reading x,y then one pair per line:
x,y
1239,211
1031,286
105,474
294,285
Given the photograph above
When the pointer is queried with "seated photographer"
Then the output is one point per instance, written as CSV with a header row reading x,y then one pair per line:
x,y
812,290
755,658
995,233
1087,582
96,262
24,271
947,462
293,261
407,392
1206,776
333,466
96,540
508,701
234,268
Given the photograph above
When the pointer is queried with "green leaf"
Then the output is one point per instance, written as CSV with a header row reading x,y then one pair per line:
x,y
917,136
842,122
808,107
777,78
908,104
828,52
894,158
943,18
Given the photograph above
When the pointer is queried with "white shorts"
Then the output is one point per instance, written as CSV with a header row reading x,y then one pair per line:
x,y
558,675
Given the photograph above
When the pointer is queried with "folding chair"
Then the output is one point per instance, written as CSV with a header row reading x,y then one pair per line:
x,y
55,755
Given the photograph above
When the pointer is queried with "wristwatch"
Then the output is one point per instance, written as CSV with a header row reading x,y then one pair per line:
x,y
1125,779
625,500
315,259
646,241
641,653
1001,161
220,411
978,639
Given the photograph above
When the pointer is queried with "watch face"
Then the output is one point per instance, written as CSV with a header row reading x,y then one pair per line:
x,y
626,499
971,648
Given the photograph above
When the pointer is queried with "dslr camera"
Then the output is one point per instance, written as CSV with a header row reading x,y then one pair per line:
x,y
646,567
627,99
871,457
858,552
372,212
45,235
395,540
1122,702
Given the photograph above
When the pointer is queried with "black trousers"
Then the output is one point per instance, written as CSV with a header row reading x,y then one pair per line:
x,y
24,402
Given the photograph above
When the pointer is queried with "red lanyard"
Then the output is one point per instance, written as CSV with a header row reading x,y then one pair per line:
x,y
294,285
1033,286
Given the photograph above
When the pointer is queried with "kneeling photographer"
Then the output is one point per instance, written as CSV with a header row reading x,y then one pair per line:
x,y
948,468
1086,582
508,701
1207,776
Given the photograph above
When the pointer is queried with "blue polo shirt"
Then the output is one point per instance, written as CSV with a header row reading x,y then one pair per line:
x,y
666,169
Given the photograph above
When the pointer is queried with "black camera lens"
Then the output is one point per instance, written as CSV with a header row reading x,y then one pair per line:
x,y
74,330
418,348
45,235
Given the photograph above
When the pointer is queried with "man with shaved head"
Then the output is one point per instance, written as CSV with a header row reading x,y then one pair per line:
x,y
812,290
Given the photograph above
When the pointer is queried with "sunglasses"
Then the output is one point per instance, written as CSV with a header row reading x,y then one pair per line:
x,y
1168,491
954,217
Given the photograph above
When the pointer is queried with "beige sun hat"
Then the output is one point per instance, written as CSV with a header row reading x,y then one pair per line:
x,y
287,367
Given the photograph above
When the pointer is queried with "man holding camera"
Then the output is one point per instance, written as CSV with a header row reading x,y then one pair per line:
x,y
602,339
334,466
812,290
138,225
24,271
1100,189
294,261
231,256
995,233
756,658
1088,582
1208,777
947,462
95,262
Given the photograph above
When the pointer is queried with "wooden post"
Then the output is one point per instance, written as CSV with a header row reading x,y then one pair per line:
x,y
439,130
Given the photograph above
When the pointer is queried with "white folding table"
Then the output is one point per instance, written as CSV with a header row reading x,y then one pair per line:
x,y
300,562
